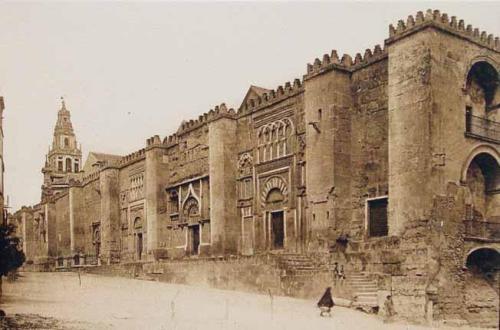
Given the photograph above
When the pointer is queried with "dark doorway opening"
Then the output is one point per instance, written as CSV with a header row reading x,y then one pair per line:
x,y
377,217
139,246
277,230
195,239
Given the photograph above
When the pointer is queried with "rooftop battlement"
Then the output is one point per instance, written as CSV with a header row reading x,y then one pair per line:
x,y
273,96
443,22
153,141
133,157
89,178
219,111
346,63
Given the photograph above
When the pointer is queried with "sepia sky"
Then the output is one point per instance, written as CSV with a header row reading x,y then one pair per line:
x,y
129,71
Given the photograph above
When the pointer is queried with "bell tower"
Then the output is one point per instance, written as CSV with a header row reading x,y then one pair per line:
x,y
64,159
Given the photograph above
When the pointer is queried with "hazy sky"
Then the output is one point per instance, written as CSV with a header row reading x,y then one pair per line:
x,y
129,71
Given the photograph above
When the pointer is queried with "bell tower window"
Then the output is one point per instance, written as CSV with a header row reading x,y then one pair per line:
x,y
68,164
66,142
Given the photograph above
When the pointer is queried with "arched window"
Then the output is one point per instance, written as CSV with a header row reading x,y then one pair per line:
x,y
174,202
483,181
60,166
138,223
191,209
482,88
483,260
66,142
274,140
77,167
68,165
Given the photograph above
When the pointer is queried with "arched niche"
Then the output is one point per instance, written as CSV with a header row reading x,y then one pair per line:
x,y
191,209
138,223
484,260
274,191
482,178
482,87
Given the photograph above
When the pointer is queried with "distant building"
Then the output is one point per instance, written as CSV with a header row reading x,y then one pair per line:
x,y
63,161
387,163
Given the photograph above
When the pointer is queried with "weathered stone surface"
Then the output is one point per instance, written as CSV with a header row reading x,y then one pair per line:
x,y
386,165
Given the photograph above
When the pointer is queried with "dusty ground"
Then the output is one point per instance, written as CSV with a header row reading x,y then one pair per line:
x,y
63,301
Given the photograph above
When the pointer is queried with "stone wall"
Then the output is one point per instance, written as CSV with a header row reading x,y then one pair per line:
x,y
259,274
369,142
327,103
224,226
62,225
391,123
110,215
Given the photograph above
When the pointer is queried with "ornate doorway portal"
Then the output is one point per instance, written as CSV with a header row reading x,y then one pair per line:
x,y
277,230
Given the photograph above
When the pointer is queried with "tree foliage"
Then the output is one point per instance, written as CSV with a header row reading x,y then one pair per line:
x,y
11,255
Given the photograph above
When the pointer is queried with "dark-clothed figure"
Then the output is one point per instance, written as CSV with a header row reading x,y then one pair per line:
x,y
341,273
336,271
326,303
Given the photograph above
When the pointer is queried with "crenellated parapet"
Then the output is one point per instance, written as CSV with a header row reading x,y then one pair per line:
x,y
273,96
170,140
89,178
153,141
346,62
441,21
217,112
133,157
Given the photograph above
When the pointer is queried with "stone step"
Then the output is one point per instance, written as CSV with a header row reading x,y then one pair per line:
x,y
366,299
294,258
296,262
357,280
363,285
357,276
363,304
360,282
365,290
364,280
303,272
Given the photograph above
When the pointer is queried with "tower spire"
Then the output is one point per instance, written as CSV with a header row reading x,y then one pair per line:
x,y
64,159
63,104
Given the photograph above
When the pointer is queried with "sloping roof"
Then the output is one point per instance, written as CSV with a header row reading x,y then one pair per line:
x,y
253,92
96,157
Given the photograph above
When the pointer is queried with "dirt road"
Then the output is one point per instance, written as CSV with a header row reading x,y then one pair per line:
x,y
96,302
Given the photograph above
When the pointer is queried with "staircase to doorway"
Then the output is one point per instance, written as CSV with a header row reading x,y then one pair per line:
x,y
295,264
364,291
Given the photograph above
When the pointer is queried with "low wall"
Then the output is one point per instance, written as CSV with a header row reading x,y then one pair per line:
x,y
258,274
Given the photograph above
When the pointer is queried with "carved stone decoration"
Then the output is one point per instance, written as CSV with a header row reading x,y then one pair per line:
x,y
245,164
274,183
191,210
123,199
302,145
